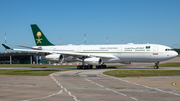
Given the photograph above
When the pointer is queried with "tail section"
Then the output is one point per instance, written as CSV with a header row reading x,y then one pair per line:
x,y
39,37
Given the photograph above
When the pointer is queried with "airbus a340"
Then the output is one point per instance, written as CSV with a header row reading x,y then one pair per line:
x,y
99,54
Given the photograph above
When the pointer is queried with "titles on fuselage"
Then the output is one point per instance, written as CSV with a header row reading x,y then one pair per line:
x,y
137,49
108,47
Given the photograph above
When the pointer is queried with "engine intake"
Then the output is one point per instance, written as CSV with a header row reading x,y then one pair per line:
x,y
55,57
93,61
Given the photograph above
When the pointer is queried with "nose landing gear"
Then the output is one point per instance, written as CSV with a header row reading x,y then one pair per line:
x,y
156,65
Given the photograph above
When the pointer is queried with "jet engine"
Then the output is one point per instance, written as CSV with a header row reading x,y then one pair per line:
x,y
93,61
55,57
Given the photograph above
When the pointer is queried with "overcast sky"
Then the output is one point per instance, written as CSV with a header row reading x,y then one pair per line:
x,y
147,21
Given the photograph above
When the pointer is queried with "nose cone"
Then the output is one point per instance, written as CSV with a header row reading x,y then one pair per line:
x,y
174,54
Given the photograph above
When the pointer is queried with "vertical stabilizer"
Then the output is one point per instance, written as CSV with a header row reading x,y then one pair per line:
x,y
39,37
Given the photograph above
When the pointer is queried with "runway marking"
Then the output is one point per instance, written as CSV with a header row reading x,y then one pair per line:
x,y
44,97
144,85
157,83
48,95
110,89
62,88
174,84
74,97
134,98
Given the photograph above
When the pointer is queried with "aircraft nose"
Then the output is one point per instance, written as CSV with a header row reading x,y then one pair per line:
x,y
175,53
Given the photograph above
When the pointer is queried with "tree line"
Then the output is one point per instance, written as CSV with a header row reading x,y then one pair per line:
x,y
177,50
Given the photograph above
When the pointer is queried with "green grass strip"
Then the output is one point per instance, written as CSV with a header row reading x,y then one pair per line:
x,y
28,72
138,73
174,64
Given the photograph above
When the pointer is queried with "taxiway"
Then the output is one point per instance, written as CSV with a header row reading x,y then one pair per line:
x,y
90,85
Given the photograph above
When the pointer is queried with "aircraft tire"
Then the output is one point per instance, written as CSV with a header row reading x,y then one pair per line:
x,y
78,67
156,67
90,66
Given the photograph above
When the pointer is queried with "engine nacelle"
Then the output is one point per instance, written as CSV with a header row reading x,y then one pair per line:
x,y
93,61
55,57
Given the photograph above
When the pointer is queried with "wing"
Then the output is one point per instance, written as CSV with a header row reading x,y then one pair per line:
x,y
38,48
75,54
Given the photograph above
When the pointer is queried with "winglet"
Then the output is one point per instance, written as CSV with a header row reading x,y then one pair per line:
x,y
6,47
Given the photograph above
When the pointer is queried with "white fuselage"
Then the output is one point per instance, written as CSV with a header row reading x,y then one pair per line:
x,y
122,53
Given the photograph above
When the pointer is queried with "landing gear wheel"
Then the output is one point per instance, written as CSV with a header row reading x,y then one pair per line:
x,y
86,67
156,67
78,67
90,66
100,66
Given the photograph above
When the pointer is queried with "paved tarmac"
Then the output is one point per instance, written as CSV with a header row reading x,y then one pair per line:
x,y
91,85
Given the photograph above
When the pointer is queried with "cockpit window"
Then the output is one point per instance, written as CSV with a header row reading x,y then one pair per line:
x,y
168,49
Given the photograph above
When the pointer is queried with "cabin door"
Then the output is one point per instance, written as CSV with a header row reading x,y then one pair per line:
x,y
155,50
119,50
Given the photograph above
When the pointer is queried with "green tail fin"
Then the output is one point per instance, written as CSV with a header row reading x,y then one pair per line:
x,y
39,37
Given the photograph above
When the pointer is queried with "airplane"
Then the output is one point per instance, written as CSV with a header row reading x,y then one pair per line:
x,y
98,55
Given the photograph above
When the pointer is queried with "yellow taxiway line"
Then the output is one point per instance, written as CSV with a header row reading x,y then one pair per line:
x,y
174,84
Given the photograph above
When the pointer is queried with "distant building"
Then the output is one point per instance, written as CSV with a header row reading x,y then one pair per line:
x,y
19,58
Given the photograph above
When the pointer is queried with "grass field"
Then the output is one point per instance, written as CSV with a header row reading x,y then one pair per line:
x,y
138,73
29,72
174,64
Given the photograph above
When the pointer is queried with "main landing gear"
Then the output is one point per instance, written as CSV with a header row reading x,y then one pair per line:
x,y
156,65
84,66
100,66
90,66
